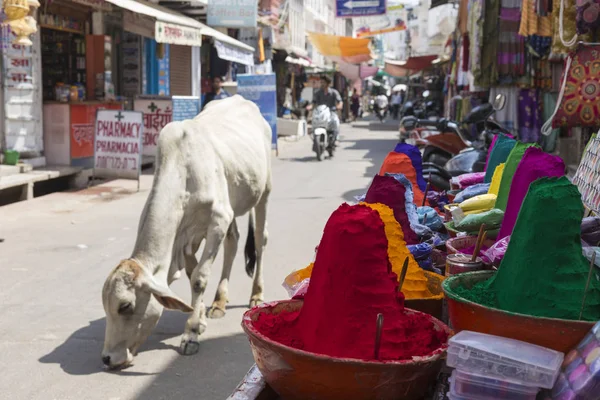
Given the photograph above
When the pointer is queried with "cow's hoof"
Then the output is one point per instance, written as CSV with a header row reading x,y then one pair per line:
x,y
255,302
215,312
189,347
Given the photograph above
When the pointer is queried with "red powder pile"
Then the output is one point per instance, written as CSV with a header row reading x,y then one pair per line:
x,y
388,191
350,284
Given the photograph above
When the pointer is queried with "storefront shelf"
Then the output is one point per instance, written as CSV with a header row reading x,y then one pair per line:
x,y
58,28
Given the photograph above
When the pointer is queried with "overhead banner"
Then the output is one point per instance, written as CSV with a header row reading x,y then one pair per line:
x,y
232,13
118,144
234,54
262,90
177,34
359,8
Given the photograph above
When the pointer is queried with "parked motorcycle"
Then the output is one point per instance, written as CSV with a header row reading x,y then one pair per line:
x,y
323,128
472,158
381,107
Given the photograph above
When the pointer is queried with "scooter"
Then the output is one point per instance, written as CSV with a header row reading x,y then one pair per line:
x,y
472,158
323,126
381,107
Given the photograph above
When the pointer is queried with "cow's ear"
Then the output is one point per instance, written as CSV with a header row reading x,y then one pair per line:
x,y
165,295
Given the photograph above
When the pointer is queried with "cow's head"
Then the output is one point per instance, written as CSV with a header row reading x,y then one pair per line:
x,y
133,301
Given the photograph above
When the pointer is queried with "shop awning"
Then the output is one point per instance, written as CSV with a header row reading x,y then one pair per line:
x,y
341,48
172,27
409,67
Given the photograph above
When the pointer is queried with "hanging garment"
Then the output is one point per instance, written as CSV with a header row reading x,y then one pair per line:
x,y
579,98
588,16
488,74
566,26
532,23
511,46
530,121
548,143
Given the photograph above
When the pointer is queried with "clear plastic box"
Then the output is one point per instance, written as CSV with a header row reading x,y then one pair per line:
x,y
477,387
502,358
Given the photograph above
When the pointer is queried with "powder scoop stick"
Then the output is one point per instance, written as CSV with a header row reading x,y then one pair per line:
x,y
587,284
426,190
478,243
378,335
403,274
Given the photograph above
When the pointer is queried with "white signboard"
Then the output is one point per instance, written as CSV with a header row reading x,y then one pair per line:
x,y
232,13
118,144
234,54
157,114
177,34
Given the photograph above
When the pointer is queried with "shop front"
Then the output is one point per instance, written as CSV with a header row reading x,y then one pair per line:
x,y
117,54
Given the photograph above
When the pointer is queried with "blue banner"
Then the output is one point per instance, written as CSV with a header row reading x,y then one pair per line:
x,y
262,90
359,8
164,73
185,107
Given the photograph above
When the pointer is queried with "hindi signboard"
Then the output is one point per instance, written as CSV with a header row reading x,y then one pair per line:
x,y
262,90
359,8
157,113
232,13
118,144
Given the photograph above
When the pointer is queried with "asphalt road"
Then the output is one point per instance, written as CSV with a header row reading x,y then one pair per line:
x,y
58,249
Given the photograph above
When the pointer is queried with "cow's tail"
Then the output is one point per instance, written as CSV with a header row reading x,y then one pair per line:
x,y
250,249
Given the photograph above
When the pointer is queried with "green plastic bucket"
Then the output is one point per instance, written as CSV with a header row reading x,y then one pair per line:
x,y
11,157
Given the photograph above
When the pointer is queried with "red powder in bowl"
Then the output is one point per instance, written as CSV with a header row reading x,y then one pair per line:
x,y
350,284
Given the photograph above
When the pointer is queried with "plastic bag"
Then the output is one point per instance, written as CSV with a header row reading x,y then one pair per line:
x,y
472,191
481,202
492,220
465,180
433,221
590,230
295,281
495,254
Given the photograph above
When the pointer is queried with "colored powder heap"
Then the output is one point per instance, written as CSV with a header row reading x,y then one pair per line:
x,y
495,185
535,164
414,154
499,154
510,168
387,190
396,163
543,272
351,283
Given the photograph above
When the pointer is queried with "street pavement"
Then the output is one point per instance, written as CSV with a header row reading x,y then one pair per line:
x,y
58,250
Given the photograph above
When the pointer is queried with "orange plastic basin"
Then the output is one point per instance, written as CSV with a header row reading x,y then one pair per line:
x,y
299,375
557,334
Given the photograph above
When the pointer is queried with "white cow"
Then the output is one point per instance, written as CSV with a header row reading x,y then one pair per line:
x,y
209,171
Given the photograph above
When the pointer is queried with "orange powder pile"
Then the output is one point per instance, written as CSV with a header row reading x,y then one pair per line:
x,y
398,163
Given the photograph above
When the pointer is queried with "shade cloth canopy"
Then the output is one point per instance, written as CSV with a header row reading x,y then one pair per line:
x,y
341,48
352,71
409,67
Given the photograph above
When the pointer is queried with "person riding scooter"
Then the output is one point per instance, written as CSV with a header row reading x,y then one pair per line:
x,y
331,98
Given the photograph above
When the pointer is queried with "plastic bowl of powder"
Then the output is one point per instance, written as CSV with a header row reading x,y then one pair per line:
x,y
299,375
553,333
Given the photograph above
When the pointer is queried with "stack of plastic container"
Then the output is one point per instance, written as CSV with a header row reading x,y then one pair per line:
x,y
490,367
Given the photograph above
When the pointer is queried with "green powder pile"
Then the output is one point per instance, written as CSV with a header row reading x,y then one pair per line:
x,y
510,167
543,272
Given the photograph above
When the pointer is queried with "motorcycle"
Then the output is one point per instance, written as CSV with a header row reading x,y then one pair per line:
x,y
381,107
323,128
472,158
